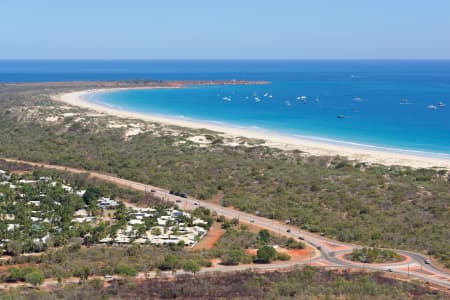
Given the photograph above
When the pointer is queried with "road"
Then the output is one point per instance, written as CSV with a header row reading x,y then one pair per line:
x,y
327,252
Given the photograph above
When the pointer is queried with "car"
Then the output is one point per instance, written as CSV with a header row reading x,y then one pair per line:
x,y
319,248
426,261
301,238
390,270
288,231
178,201
153,191
252,221
195,203
108,277
183,195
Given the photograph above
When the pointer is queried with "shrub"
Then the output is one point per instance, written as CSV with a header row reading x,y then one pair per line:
x,y
266,254
36,278
125,270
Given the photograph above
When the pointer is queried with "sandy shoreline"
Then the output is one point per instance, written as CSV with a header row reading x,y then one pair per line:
x,y
285,142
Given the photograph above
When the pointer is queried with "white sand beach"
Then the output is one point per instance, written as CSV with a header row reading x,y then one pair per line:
x,y
310,146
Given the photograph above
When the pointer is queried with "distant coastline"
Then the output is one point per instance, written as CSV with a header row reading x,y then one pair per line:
x,y
310,145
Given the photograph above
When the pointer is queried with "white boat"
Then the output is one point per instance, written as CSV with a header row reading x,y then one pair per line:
x,y
441,104
431,106
227,98
257,99
404,101
303,98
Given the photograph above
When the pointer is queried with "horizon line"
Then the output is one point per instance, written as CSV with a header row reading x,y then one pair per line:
x,y
224,59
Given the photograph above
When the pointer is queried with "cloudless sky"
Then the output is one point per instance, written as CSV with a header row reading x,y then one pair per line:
x,y
225,29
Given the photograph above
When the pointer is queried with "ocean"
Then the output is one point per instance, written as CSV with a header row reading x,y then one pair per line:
x,y
397,105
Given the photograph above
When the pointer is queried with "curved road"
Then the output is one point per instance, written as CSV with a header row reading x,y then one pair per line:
x,y
327,253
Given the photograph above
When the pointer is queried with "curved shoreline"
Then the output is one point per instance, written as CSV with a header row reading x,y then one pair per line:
x,y
365,153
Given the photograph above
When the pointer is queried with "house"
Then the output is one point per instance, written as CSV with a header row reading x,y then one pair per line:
x,y
23,181
35,203
106,240
83,219
7,217
136,222
80,193
80,213
67,188
12,227
107,203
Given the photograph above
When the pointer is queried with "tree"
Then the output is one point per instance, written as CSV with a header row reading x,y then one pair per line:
x,y
14,248
264,236
191,266
170,263
266,254
156,231
36,278
84,273
92,194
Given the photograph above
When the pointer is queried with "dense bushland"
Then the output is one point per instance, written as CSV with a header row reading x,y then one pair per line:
x,y
378,206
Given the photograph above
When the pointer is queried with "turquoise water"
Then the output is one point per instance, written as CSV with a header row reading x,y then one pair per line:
x,y
381,110
369,94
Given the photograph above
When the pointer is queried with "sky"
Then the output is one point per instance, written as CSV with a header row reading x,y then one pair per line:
x,y
225,29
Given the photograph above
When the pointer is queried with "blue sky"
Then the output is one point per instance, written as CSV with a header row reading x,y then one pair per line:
x,y
225,29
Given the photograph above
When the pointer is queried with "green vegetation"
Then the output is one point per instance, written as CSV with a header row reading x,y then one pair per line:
x,y
377,206
309,283
39,212
266,254
374,255
101,260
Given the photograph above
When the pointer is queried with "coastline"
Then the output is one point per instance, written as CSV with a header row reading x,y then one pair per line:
x,y
311,146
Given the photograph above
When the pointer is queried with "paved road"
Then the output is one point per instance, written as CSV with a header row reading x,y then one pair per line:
x,y
326,252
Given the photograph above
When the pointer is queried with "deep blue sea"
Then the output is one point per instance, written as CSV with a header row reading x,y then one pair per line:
x,y
403,105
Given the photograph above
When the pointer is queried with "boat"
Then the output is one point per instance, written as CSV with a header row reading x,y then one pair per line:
x,y
227,98
404,101
441,104
287,102
357,99
431,106
257,99
340,116
302,98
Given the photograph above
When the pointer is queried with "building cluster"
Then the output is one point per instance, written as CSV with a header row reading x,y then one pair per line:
x,y
29,205
170,226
